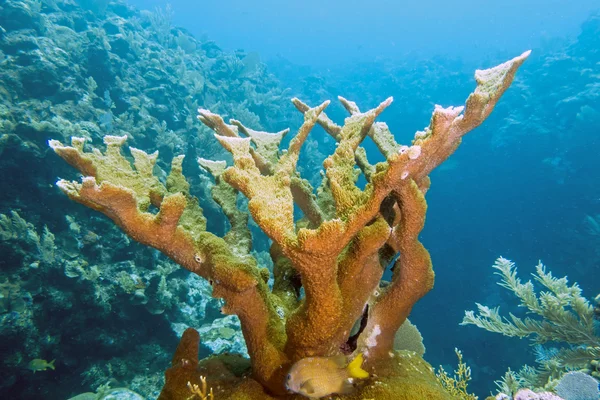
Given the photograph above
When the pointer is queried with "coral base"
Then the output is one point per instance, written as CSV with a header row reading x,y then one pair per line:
x,y
401,377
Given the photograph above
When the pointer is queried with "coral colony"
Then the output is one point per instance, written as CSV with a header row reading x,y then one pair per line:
x,y
328,264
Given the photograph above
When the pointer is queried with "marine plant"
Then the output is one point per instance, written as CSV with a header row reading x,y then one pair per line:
x,y
457,384
328,263
36,248
559,314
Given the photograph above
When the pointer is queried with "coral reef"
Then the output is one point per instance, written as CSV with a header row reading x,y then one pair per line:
x,y
66,71
105,392
35,248
327,264
573,385
526,394
577,386
91,68
38,299
95,67
83,272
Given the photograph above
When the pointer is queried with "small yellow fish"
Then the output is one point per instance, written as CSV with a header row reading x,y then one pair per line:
x,y
40,365
316,377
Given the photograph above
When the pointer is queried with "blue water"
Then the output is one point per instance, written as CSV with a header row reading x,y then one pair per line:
x,y
521,186
326,33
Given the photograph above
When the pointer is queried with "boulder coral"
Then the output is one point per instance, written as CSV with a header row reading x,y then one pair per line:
x,y
329,263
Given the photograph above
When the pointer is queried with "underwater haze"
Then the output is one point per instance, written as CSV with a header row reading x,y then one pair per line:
x,y
326,33
101,275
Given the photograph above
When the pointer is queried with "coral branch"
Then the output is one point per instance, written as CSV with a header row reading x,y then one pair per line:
x,y
412,274
235,278
328,264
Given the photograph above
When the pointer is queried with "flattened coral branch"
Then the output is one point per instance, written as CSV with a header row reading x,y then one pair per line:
x,y
430,148
177,230
238,237
340,165
448,125
265,192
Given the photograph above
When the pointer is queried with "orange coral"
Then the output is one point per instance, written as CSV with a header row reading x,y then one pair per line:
x,y
337,253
